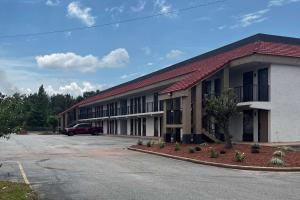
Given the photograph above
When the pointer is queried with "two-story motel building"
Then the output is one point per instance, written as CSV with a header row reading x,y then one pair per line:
x,y
263,70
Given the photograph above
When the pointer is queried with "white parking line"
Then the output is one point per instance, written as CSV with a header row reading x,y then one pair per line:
x,y
21,170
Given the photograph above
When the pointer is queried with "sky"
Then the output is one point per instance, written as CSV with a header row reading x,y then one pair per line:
x,y
98,58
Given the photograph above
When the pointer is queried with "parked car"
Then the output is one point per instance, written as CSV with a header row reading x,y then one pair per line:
x,y
83,128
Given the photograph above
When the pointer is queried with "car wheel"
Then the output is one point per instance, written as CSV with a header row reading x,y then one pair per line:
x,y
70,134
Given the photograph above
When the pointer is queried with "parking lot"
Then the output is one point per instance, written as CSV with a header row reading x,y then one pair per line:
x,y
100,167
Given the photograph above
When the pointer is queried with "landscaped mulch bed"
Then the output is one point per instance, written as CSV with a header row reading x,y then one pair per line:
x,y
292,159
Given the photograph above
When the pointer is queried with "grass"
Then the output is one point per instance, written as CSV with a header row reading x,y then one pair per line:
x,y
16,191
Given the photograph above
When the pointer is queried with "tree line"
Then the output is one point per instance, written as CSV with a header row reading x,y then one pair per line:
x,y
35,111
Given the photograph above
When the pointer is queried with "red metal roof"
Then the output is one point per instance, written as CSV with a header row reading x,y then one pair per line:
x,y
204,65
209,66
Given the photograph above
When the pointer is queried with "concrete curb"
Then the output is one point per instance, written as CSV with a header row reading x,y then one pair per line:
x,y
133,137
252,168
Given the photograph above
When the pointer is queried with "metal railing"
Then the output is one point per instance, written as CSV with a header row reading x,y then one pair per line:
x,y
123,110
245,93
254,92
174,117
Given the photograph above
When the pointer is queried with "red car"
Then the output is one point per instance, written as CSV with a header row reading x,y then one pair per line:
x,y
83,128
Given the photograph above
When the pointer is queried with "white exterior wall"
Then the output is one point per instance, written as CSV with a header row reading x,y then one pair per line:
x,y
119,127
285,101
105,126
236,127
150,126
128,126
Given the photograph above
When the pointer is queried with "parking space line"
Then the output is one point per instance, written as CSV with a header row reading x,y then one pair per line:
x,y
23,173
21,170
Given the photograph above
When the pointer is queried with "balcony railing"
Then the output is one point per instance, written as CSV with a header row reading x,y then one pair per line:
x,y
174,116
123,110
245,93
252,93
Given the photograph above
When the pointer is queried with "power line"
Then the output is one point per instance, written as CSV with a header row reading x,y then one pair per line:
x,y
113,23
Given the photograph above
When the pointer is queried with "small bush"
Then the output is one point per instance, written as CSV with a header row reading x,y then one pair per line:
x,y
239,157
149,143
161,144
276,162
223,152
191,150
278,154
213,153
286,149
177,146
255,146
255,151
204,144
152,142
197,148
139,142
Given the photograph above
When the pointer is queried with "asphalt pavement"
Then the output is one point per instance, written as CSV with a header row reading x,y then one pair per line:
x,y
59,167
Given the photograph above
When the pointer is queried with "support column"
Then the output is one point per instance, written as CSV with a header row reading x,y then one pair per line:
x,y
186,113
164,124
225,79
77,115
198,109
66,120
61,124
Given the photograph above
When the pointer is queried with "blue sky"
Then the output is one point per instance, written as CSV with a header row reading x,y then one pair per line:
x,y
98,58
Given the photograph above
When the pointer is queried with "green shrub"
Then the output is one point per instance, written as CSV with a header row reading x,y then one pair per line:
x,y
197,148
213,153
149,144
177,146
278,154
223,152
255,146
152,142
139,142
191,150
204,144
161,144
239,156
276,162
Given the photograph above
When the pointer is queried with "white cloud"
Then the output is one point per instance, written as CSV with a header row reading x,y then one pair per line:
x,y
6,86
52,2
281,2
174,54
116,9
222,27
74,89
139,7
165,8
149,63
75,10
116,58
251,18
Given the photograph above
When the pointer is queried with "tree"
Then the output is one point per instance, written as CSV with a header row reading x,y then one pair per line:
x,y
12,115
222,108
37,116
53,122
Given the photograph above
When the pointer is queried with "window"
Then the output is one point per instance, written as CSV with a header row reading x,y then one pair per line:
x,y
174,111
155,127
155,102
131,126
143,104
144,126
217,87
